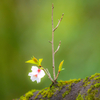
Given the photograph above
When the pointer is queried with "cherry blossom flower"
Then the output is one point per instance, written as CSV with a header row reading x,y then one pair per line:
x,y
36,74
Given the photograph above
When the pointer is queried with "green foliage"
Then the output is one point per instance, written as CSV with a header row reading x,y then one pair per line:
x,y
35,61
60,66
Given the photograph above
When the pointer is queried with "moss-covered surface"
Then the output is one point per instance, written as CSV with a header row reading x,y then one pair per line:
x,y
75,89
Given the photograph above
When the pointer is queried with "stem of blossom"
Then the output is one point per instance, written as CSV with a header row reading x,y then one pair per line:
x,y
48,75
53,44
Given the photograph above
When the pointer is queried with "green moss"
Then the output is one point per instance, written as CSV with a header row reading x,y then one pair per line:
x,y
97,85
92,95
47,92
27,95
61,83
93,76
68,89
34,90
89,90
86,83
93,86
39,93
79,97
92,92
73,81
85,79
65,93
22,98
97,78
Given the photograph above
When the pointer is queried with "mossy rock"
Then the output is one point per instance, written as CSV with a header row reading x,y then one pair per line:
x,y
76,89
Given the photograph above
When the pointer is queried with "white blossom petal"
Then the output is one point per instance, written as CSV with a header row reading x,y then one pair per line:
x,y
30,74
36,74
33,79
38,80
41,74
34,68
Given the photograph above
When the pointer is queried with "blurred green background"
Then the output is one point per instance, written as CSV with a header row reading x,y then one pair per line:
x,y
25,29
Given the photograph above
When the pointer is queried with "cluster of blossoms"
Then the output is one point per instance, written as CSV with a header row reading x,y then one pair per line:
x,y
36,74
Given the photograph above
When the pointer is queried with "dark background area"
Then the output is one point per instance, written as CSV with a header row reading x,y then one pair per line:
x,y
25,29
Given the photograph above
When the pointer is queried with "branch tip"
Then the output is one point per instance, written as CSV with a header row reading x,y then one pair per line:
x,y
50,42
52,6
59,43
58,47
58,22
62,14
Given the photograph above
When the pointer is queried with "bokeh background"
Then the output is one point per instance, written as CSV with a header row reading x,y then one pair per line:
x,y
25,29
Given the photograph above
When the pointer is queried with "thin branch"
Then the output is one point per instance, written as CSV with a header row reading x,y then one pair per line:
x,y
48,72
57,76
58,47
53,44
48,75
59,22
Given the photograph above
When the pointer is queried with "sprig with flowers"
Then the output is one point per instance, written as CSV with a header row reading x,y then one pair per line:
x,y
38,71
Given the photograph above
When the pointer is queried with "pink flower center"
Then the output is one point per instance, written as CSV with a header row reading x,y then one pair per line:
x,y
35,75
38,70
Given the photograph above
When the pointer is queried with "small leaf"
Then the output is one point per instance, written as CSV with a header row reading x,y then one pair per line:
x,y
60,66
40,60
33,61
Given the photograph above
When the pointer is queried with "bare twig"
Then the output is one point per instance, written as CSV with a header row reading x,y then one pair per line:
x,y
53,44
48,72
48,75
57,76
58,47
58,22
